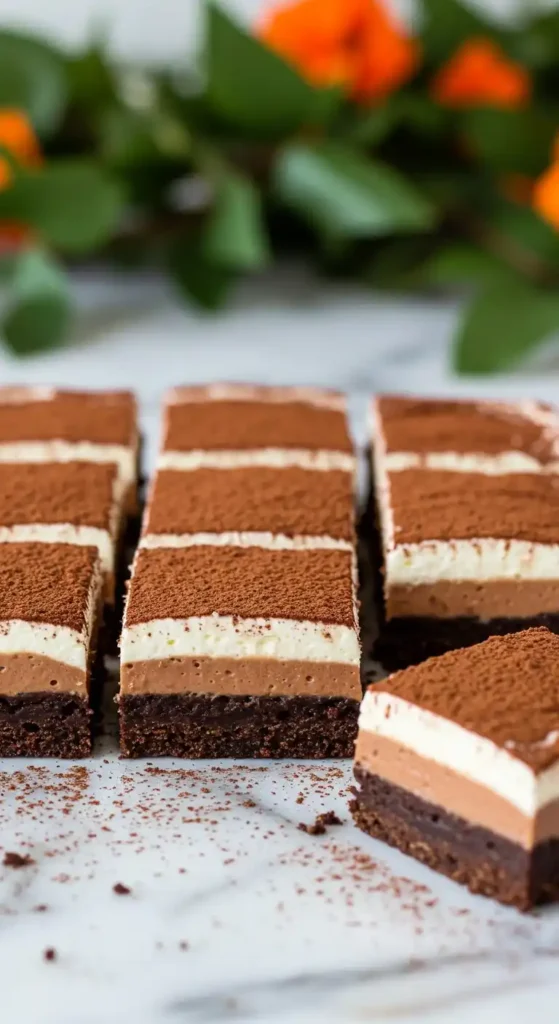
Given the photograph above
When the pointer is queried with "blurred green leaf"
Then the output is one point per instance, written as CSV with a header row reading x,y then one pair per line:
x,y
38,311
251,86
33,78
503,324
445,24
375,125
343,193
92,81
520,227
73,205
537,44
459,264
517,141
235,236
197,278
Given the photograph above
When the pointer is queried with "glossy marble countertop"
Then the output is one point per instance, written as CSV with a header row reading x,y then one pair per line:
x,y
234,913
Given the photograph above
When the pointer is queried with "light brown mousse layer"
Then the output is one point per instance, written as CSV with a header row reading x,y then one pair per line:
x,y
241,677
448,599
23,672
445,788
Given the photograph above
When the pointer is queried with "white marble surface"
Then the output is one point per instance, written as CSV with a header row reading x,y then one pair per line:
x,y
279,926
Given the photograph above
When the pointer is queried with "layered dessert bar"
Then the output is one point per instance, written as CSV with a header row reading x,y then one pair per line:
x,y
43,424
465,497
240,635
63,503
50,608
457,764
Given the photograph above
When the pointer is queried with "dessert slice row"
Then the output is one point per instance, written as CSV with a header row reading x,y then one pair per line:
x,y
68,490
240,635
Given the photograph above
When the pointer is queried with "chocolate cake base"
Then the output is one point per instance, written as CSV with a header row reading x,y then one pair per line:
x,y
222,726
407,641
45,725
473,856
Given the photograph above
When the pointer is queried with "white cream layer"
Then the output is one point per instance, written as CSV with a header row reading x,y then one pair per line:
x,y
467,462
256,393
64,533
123,456
271,541
61,643
218,636
470,755
477,559
275,458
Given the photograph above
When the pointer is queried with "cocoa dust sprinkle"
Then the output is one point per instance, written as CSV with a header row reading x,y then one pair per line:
x,y
121,890
319,825
17,860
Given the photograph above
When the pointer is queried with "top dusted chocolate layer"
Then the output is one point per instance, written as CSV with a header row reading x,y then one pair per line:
x,y
281,501
101,417
80,493
47,583
431,425
429,504
505,689
229,423
253,582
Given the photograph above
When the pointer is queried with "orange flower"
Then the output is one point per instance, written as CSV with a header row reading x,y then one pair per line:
x,y
17,136
546,191
354,43
480,74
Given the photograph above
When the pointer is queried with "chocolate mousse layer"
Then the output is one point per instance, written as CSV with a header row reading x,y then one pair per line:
x,y
239,677
454,793
23,672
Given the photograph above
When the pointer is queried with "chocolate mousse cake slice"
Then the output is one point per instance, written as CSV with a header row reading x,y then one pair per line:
x,y
466,541
457,764
50,604
64,503
233,651
232,425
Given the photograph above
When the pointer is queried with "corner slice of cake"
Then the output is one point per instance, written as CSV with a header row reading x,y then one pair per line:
x,y
457,764
50,609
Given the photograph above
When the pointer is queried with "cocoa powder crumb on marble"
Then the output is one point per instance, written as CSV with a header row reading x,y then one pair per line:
x,y
17,860
121,890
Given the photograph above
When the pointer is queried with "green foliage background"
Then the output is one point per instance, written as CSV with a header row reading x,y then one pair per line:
x,y
213,170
